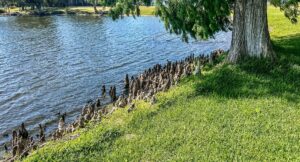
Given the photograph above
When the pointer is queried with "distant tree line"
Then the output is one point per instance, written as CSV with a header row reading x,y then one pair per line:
x,y
39,4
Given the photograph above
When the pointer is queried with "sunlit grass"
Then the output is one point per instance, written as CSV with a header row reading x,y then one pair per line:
x,y
147,10
144,9
279,25
285,36
249,112
86,9
227,114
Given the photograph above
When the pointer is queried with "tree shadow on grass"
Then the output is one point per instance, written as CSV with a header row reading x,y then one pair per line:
x,y
105,142
238,82
288,48
258,78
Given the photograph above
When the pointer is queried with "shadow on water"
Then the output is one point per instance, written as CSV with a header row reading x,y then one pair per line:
x,y
258,78
39,22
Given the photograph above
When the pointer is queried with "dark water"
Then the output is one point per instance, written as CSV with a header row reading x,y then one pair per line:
x,y
56,64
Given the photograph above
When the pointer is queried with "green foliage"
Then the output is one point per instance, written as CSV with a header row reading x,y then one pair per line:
x,y
290,8
200,19
230,113
127,7
49,3
108,2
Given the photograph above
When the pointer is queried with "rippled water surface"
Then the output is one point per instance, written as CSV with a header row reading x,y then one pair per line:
x,y
56,64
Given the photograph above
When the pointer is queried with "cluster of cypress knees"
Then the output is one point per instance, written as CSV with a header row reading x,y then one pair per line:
x,y
143,87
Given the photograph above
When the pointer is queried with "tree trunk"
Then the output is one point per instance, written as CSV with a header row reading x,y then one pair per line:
x,y
95,6
250,36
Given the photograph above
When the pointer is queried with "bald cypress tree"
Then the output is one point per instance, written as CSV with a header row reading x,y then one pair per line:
x,y
201,19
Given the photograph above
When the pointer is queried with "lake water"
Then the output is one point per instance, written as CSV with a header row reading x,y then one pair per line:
x,y
56,64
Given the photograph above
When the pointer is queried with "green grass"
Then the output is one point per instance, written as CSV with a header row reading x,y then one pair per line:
x,y
145,11
89,10
285,36
249,112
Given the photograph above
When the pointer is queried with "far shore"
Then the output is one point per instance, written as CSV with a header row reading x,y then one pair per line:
x,y
75,10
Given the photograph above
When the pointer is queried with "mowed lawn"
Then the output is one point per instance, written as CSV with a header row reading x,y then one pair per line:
x,y
249,112
145,10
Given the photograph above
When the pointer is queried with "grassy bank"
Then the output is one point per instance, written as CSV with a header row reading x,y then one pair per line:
x,y
73,10
144,9
249,112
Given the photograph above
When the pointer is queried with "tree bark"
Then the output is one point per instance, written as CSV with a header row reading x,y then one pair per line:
x,y
95,6
250,36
